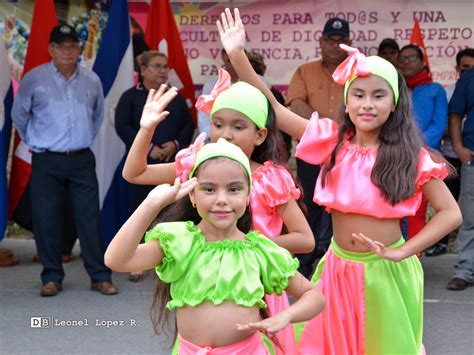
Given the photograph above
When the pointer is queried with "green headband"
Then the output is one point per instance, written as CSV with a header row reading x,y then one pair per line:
x,y
222,148
246,99
382,68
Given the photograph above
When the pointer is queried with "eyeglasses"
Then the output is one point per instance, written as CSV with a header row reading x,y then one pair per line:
x,y
332,41
159,66
408,58
67,47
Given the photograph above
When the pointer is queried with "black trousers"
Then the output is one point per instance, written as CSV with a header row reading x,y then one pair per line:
x,y
55,176
318,219
23,216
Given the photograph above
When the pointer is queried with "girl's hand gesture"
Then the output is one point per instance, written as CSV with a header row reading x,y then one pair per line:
x,y
165,194
231,31
392,254
269,325
156,102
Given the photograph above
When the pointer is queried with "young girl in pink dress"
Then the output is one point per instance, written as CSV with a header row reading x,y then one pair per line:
x,y
374,173
242,115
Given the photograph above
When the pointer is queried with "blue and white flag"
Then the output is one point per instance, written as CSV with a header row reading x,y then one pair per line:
x,y
6,96
114,66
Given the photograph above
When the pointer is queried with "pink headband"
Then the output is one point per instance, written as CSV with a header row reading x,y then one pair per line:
x,y
358,65
186,158
205,102
354,65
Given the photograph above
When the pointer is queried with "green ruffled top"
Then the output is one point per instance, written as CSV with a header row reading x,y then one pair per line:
x,y
242,271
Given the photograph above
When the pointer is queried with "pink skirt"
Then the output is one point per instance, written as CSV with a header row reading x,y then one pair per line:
x,y
251,346
373,305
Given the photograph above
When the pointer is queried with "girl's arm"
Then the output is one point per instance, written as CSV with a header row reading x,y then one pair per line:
x,y
125,253
232,35
310,302
299,238
136,169
447,218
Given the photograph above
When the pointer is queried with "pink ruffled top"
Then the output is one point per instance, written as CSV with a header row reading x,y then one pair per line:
x,y
272,186
349,188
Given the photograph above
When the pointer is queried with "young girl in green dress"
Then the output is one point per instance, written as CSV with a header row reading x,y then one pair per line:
x,y
218,270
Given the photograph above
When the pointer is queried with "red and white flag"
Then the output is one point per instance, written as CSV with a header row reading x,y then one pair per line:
x,y
162,34
417,38
43,21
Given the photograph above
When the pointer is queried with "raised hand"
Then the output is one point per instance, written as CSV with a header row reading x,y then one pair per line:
x,y
269,325
231,31
392,254
156,102
165,194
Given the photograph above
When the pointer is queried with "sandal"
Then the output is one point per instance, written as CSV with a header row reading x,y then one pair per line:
x,y
136,277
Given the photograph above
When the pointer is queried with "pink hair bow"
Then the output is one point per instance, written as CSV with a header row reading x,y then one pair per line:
x,y
186,157
354,64
204,102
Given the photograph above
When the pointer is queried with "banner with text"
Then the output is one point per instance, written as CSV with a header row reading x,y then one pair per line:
x,y
287,33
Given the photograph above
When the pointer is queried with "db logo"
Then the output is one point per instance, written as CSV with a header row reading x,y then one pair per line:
x,y
41,322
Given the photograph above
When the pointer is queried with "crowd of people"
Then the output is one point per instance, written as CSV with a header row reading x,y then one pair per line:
x,y
227,227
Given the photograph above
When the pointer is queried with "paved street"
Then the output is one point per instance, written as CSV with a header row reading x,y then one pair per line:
x,y
120,324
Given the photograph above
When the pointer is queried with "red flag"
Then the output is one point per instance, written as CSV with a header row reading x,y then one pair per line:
x,y
162,34
43,21
417,39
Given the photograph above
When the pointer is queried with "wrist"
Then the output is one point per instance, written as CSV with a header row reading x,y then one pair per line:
x,y
236,53
457,145
153,204
404,251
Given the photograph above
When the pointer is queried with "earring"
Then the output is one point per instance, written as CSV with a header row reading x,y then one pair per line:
x,y
193,203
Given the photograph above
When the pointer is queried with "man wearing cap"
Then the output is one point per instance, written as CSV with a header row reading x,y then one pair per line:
x,y
58,111
312,88
389,50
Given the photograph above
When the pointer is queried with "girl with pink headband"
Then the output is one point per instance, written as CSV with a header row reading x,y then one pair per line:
x,y
374,172
242,115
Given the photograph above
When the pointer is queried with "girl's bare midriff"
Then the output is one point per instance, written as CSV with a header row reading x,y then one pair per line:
x,y
210,325
386,231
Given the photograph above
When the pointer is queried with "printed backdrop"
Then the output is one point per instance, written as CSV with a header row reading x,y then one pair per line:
x,y
287,32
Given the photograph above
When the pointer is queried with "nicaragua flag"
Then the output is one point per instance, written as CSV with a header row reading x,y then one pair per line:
x,y
6,95
114,66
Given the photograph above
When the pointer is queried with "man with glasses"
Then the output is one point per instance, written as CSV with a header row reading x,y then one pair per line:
x,y
430,110
312,88
58,111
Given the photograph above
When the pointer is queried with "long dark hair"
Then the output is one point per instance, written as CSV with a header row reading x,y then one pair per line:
x,y
270,149
395,168
274,149
181,210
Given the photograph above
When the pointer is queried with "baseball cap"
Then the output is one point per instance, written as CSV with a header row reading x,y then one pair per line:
x,y
61,33
336,26
390,43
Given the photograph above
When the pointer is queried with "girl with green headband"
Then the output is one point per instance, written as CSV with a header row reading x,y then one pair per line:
x,y
374,172
218,269
242,115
